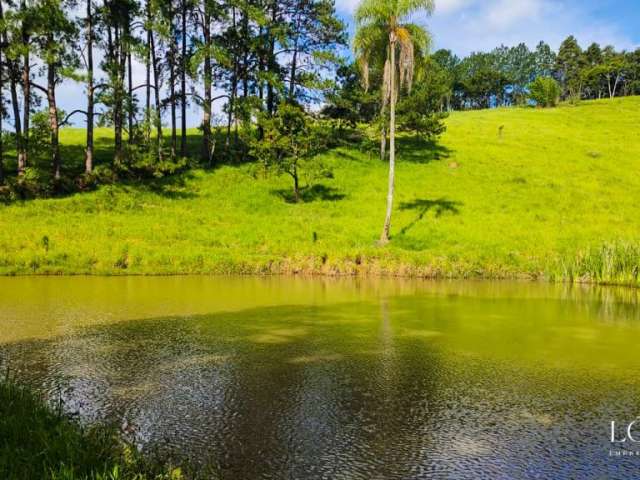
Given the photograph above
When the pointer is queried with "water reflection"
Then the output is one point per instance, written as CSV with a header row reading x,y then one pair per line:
x,y
343,380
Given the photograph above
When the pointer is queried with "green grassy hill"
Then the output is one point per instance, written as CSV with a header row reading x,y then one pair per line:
x,y
505,193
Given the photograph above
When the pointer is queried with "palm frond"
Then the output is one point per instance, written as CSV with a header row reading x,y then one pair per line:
x,y
406,61
369,46
404,8
374,11
386,84
421,38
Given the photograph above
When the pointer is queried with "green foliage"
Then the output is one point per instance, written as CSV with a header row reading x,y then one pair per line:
x,y
40,441
545,92
569,64
289,143
421,112
348,101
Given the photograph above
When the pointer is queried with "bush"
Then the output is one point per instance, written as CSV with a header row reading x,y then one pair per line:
x,y
545,92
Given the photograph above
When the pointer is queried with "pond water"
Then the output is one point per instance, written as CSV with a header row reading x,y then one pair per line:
x,y
291,378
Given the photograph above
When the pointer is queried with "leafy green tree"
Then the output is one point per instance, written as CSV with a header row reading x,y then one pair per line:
x,y
378,19
545,59
570,63
290,142
422,111
482,83
54,36
615,69
447,65
545,92
348,101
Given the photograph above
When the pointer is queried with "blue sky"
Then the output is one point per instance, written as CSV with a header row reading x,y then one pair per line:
x,y
471,25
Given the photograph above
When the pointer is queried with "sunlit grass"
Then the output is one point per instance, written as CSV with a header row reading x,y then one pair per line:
x,y
506,193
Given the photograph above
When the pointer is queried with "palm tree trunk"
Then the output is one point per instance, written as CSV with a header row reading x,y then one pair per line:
x,y
384,238
383,139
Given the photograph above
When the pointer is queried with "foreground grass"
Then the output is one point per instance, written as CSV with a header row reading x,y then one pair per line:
x,y
38,442
506,193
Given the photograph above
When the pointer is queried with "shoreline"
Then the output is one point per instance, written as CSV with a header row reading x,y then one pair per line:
x,y
540,278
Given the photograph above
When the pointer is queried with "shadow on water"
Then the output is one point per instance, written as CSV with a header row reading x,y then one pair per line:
x,y
401,387
313,193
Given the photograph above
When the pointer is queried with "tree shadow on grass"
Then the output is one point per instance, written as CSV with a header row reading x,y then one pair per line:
x,y
417,150
313,193
173,187
422,206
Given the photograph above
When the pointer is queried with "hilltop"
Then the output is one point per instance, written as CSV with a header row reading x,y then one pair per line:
x,y
516,192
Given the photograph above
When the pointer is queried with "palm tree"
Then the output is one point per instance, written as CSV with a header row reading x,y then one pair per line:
x,y
383,34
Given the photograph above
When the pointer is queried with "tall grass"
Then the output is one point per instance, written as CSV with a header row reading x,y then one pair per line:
x,y
612,263
39,442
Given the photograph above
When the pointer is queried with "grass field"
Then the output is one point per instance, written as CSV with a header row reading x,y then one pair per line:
x,y
505,193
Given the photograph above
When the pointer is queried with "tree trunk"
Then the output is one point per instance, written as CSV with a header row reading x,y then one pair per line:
x,y
53,119
384,238
1,102
206,116
296,184
147,132
23,152
271,61
383,139
16,113
118,90
234,87
156,91
183,84
88,158
294,68
615,86
130,98
172,86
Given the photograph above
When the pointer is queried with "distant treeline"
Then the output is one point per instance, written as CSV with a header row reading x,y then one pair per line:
x,y
507,76
502,77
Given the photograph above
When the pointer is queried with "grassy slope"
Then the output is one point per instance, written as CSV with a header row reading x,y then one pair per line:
x,y
555,184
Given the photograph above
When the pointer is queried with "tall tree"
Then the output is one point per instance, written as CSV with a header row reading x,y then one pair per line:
x,y
3,47
53,36
374,17
184,66
569,64
90,39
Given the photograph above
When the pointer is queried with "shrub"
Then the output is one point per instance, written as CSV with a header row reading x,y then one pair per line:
x,y
545,92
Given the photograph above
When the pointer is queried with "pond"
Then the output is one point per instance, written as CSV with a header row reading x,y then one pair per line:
x,y
293,378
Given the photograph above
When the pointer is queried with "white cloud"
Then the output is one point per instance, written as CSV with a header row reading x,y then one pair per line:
x,y
504,14
481,25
